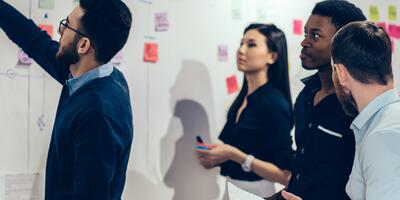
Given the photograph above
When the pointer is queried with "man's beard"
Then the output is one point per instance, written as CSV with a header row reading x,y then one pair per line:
x,y
69,54
346,99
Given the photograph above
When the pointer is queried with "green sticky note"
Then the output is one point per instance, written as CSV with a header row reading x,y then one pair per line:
x,y
392,12
373,13
236,9
46,4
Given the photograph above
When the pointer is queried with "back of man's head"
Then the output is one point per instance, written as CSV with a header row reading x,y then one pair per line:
x,y
365,50
340,11
107,23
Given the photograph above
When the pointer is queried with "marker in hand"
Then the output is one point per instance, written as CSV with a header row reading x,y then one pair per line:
x,y
201,145
199,139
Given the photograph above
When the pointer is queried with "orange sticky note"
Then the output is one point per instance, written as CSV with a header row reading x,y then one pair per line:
x,y
47,28
232,84
297,27
150,52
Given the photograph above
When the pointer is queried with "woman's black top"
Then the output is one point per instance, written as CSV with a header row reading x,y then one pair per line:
x,y
263,130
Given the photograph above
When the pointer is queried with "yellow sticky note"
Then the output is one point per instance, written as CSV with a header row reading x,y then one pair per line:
x,y
46,4
392,12
373,13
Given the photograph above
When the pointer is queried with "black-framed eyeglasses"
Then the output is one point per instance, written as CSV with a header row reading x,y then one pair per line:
x,y
63,25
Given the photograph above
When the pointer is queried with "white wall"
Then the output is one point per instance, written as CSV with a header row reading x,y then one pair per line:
x,y
182,95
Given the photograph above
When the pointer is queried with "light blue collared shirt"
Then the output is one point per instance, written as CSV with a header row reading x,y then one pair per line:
x,y
99,72
376,169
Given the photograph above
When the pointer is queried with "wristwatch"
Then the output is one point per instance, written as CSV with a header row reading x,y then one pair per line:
x,y
246,166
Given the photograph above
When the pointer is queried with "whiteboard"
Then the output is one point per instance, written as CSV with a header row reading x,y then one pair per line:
x,y
182,95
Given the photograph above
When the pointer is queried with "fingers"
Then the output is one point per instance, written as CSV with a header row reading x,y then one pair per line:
x,y
289,196
203,152
208,166
206,163
205,160
206,157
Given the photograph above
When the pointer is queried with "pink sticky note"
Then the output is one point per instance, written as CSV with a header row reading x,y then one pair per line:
x,y
232,84
23,58
397,32
382,25
222,53
48,28
161,21
118,59
394,31
150,52
297,27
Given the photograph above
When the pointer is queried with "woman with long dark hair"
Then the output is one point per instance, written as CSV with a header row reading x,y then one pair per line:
x,y
257,144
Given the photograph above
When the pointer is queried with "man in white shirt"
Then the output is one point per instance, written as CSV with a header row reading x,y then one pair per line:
x,y
363,79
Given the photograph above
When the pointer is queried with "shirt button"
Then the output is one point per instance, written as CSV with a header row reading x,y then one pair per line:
x,y
297,176
310,125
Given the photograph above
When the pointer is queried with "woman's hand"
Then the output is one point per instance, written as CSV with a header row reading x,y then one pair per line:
x,y
218,154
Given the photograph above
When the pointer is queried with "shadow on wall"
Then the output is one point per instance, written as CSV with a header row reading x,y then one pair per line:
x,y
192,102
139,187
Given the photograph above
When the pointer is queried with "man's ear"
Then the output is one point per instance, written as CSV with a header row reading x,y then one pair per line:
x,y
342,74
84,45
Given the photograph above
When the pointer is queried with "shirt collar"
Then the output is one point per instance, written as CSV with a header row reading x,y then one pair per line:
x,y
373,107
312,82
99,72
259,91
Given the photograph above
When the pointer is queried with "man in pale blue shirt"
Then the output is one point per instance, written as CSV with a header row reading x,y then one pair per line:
x,y
363,79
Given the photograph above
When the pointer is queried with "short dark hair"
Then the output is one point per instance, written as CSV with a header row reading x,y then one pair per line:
x,y
341,12
107,23
365,50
